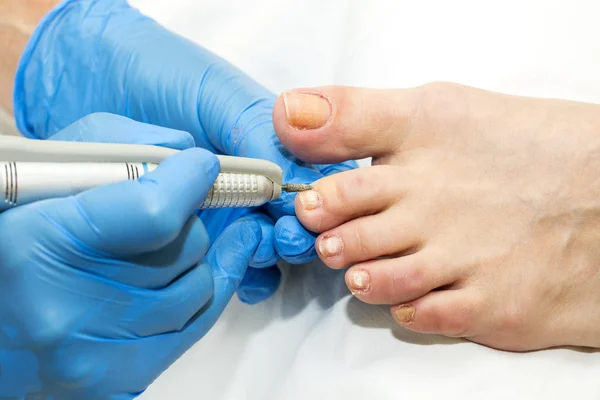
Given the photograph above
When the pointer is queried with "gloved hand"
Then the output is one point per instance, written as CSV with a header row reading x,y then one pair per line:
x,y
102,55
262,278
101,292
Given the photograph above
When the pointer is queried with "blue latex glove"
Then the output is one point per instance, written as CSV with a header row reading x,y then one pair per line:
x,y
262,278
101,292
102,55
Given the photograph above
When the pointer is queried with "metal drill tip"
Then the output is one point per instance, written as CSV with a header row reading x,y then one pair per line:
x,y
293,187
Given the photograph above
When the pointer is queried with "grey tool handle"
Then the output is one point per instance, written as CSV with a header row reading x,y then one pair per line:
x,y
26,182
243,182
13,148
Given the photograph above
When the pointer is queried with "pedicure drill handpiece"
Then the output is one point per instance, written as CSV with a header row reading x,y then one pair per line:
x,y
33,170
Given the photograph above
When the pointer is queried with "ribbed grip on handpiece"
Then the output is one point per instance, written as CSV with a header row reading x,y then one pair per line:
x,y
239,190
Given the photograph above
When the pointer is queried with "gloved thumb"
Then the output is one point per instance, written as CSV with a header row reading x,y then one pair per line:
x,y
134,217
229,258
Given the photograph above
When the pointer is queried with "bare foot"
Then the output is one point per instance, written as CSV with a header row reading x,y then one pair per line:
x,y
481,218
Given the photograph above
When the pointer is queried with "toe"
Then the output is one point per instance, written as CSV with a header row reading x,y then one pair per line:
x,y
453,313
333,124
348,195
385,234
398,280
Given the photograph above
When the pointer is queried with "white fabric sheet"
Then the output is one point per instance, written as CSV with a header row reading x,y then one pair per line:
x,y
313,340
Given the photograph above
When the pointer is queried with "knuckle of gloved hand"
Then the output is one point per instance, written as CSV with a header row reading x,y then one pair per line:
x,y
45,329
69,372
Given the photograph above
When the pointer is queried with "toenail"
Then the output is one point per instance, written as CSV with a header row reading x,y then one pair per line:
x,y
305,110
360,281
405,314
310,199
330,246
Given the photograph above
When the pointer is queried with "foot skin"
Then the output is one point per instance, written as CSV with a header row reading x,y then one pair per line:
x,y
479,219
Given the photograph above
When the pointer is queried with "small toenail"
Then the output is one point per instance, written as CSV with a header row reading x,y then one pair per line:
x,y
360,281
331,246
405,314
310,199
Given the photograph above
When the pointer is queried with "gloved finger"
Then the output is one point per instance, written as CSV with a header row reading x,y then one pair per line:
x,y
175,305
218,220
259,284
263,284
264,275
104,308
152,270
293,242
265,255
159,268
111,128
134,217
228,257
140,313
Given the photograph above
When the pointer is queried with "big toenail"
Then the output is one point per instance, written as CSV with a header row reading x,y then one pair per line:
x,y
405,314
306,110
360,281
330,246
310,199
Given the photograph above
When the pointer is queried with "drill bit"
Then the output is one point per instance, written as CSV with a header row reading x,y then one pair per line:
x,y
295,187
